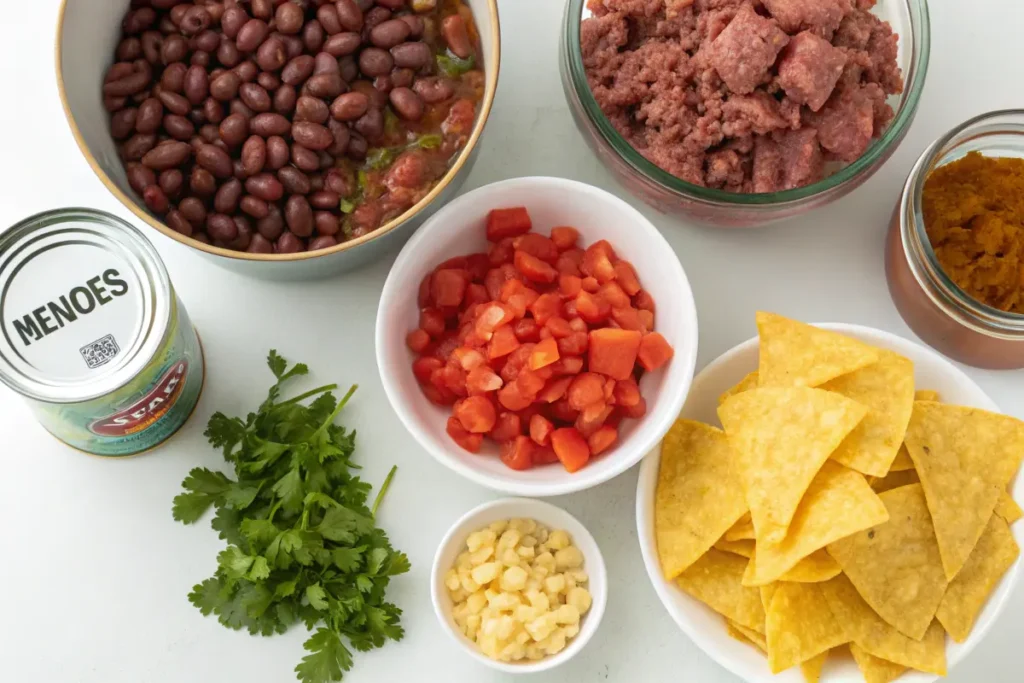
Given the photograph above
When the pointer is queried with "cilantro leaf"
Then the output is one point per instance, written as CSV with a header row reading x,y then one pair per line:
x,y
228,522
207,595
260,570
317,597
383,624
375,560
278,366
398,563
327,660
239,496
343,525
234,562
348,560
204,488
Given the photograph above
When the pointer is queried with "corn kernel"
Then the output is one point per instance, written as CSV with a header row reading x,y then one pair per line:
x,y
525,552
476,602
568,558
514,579
468,584
485,573
473,622
510,558
555,642
525,613
571,630
451,580
523,526
480,539
463,562
579,598
555,583
506,627
498,527
534,653
505,601
567,614
458,596
545,560
541,627
558,540
528,541
481,555
509,539
539,600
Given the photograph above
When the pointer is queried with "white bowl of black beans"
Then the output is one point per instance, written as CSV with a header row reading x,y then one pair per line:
x,y
284,139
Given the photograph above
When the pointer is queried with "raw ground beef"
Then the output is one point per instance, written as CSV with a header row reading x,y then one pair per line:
x,y
743,95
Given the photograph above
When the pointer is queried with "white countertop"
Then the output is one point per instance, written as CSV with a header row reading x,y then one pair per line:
x,y
94,573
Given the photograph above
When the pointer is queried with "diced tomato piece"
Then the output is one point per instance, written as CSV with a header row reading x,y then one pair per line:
x,y
455,262
569,261
518,453
546,307
646,318
544,354
527,330
502,223
598,261
445,346
518,296
592,417
570,285
545,333
626,277
590,284
609,389
507,427
424,296
636,411
615,418
533,268
569,309
544,455
501,252
613,352
503,342
432,322
574,345
562,411
436,396
537,245
530,383
564,237
644,301
568,365
417,340
586,388
469,313
512,398
554,389
614,295
655,351
540,430
424,366
476,294
628,319
578,325
482,380
450,378
496,279
459,434
492,316
449,286
517,360
476,414
602,439
468,358
571,448
626,393
559,327
477,266
593,308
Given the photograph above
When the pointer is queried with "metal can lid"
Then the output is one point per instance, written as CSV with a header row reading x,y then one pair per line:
x,y
84,305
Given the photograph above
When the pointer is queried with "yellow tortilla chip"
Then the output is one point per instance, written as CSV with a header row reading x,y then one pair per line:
x,y
794,354
926,395
960,497
742,530
874,669
716,580
879,639
902,461
811,669
780,438
815,568
800,626
992,557
747,635
896,565
887,389
838,502
741,548
1007,508
894,480
747,383
767,593
698,497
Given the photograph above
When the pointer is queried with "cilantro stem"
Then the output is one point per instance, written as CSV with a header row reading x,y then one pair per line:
x,y
311,392
383,490
341,404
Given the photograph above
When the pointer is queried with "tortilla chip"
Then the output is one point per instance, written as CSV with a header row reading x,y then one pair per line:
x,y
926,395
879,639
716,580
795,354
838,502
874,669
744,634
902,461
747,383
767,593
742,530
811,669
741,548
1007,508
992,557
887,389
960,497
780,438
894,480
815,568
896,565
698,497
800,626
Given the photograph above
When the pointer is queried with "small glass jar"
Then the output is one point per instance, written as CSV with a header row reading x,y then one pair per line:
x,y
940,312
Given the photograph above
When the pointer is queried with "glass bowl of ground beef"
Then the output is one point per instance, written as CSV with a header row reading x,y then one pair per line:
x,y
739,113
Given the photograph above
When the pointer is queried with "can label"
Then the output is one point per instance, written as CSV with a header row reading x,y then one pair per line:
x,y
146,412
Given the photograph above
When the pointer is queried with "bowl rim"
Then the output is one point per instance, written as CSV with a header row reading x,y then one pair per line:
x,y
877,151
541,511
648,473
490,90
572,483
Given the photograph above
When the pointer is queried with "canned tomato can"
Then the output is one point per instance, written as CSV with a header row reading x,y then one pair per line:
x,y
94,336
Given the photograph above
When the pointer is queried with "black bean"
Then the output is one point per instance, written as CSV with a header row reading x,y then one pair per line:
x,y
298,70
322,242
278,152
219,226
313,36
311,109
179,127
412,55
285,99
251,35
325,85
254,206
151,112
407,104
268,124
254,155
294,180
255,97
272,226
122,123
167,155
288,244
272,54
224,88
371,125
341,44
374,62
265,186
139,177
289,18
305,158
202,182
193,210
234,129
260,245
227,197
326,223
178,223
350,106
173,77
215,160
171,181
299,216
327,15
349,14
389,33
324,199
313,135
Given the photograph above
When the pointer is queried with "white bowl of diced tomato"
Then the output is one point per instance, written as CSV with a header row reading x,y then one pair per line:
x,y
537,335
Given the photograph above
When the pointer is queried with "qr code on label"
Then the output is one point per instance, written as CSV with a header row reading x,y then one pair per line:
x,y
100,352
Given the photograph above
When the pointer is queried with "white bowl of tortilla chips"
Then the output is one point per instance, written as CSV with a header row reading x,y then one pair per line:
x,y
840,557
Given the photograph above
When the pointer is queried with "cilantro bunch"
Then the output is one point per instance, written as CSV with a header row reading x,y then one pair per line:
x,y
303,545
